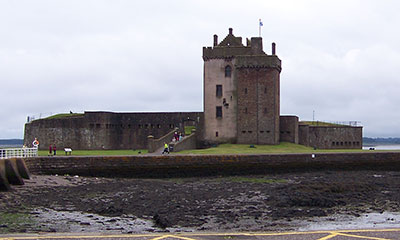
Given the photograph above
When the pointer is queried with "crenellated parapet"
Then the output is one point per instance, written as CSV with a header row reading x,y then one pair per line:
x,y
266,61
231,47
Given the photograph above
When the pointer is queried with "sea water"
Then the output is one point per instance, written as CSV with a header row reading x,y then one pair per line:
x,y
382,147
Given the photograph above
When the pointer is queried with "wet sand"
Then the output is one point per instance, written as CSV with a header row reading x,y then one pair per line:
x,y
274,202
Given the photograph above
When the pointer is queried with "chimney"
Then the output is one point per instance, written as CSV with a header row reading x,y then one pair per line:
x,y
256,45
273,48
230,31
215,40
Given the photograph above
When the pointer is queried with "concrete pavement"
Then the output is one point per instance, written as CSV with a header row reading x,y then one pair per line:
x,y
377,234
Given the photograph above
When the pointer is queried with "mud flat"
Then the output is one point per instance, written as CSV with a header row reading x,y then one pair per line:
x,y
269,202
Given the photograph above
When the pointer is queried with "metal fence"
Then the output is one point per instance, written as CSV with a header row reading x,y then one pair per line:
x,y
18,152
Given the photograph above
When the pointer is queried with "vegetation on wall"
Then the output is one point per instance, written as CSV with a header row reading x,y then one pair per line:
x,y
65,115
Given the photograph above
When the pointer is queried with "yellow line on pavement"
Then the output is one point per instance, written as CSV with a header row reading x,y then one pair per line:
x,y
362,237
172,236
332,235
187,235
80,236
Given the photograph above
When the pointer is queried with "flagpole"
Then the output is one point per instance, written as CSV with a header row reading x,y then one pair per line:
x,y
259,27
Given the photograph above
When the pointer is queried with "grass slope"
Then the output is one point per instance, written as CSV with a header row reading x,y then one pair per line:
x,y
96,152
283,147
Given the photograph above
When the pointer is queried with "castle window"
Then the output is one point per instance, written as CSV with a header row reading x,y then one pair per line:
x,y
129,126
228,71
245,110
261,131
245,91
265,90
218,112
249,131
158,125
140,126
216,134
98,125
91,125
219,91
171,126
243,131
333,143
265,110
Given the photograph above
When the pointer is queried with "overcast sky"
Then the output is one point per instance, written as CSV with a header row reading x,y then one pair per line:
x,y
340,58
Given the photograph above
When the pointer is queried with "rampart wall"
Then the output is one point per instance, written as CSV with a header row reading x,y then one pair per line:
x,y
289,129
335,137
107,130
192,165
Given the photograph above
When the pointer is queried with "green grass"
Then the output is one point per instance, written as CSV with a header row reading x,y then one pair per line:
x,y
283,147
65,115
96,152
323,124
188,130
14,221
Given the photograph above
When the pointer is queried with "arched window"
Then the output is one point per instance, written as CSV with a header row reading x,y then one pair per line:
x,y
228,71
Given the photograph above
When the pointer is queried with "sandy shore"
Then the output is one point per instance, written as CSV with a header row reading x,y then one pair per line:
x,y
280,202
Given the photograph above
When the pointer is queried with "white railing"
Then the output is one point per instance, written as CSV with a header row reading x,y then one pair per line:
x,y
18,152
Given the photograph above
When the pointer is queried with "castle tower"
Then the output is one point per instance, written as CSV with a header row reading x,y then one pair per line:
x,y
241,92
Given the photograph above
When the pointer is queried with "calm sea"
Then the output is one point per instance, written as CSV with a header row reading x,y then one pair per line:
x,y
10,146
382,147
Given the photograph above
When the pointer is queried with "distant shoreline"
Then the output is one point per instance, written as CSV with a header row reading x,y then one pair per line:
x,y
11,143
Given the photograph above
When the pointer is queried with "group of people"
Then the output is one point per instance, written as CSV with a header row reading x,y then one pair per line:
x,y
177,137
52,150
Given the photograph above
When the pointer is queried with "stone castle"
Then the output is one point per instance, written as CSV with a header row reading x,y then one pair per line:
x,y
241,105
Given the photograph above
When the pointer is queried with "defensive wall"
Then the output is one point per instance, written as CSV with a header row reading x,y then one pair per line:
x,y
197,165
107,130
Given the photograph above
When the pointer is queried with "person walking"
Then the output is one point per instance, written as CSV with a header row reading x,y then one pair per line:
x,y
166,148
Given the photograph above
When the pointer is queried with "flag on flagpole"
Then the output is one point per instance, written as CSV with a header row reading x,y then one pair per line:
x,y
261,24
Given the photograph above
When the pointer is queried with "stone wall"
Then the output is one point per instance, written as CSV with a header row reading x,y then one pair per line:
x,y
106,130
335,137
289,129
193,165
189,142
258,105
304,139
219,128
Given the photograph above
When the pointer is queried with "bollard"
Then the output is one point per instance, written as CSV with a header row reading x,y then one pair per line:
x,y
4,184
12,173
